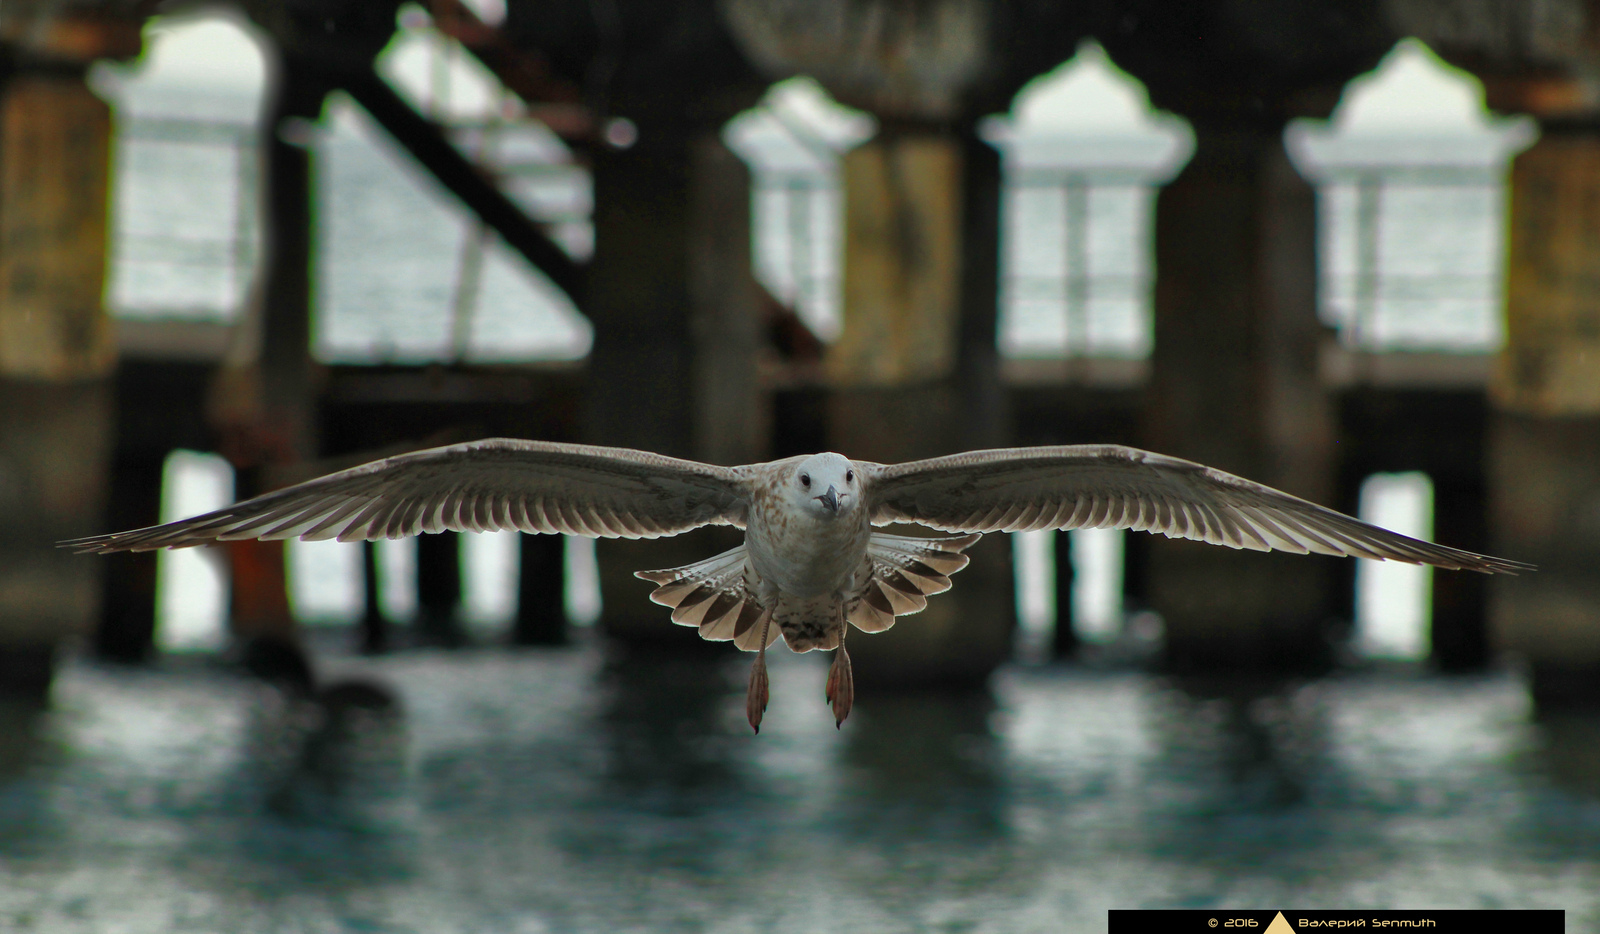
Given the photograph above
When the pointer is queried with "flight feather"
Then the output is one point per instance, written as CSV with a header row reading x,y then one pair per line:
x,y
1110,486
498,484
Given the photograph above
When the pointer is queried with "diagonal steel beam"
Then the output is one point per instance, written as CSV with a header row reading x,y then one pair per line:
x,y
556,102
427,142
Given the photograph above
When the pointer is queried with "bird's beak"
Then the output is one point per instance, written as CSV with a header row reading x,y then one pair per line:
x,y
830,499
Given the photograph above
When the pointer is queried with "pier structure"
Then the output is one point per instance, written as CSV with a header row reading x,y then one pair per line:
x,y
1242,375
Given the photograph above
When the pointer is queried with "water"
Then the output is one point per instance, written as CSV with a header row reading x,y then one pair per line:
x,y
569,790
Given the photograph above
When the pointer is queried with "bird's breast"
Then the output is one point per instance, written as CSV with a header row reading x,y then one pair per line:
x,y
806,556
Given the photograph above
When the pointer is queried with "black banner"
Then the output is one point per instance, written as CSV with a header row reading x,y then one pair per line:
x,y
1320,921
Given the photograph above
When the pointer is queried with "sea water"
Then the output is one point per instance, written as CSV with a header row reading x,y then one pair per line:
x,y
583,789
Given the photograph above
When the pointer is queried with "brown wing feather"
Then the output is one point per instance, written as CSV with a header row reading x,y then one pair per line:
x,y
496,484
1110,486
715,596
905,572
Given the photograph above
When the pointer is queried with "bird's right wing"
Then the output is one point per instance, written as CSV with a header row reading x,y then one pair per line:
x,y
491,485
1115,487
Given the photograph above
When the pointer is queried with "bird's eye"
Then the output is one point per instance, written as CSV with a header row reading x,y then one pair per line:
x,y
805,479
849,476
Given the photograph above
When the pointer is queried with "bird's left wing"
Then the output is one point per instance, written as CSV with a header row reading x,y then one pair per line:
x,y
490,485
1110,486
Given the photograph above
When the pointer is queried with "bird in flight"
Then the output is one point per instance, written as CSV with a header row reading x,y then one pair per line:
x,y
813,560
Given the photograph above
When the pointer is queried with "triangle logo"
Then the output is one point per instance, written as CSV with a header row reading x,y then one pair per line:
x,y
1280,925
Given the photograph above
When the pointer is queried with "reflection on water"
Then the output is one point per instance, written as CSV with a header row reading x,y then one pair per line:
x,y
587,790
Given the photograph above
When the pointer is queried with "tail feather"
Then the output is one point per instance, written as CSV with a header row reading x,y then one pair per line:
x,y
713,596
905,572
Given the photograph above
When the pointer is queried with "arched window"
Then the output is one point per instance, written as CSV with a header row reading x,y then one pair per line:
x,y
792,142
1410,176
1083,152
185,225
404,273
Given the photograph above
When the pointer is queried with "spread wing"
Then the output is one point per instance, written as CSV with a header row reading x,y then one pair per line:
x,y
491,485
1115,487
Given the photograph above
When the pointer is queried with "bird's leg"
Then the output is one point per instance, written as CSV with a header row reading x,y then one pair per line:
x,y
756,695
841,688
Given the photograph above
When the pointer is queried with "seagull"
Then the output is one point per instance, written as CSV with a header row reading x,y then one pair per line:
x,y
813,560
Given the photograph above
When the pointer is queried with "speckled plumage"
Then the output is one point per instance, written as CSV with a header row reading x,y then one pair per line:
x,y
811,562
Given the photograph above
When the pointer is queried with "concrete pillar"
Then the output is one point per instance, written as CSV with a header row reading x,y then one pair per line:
x,y
674,306
56,357
903,388
1235,386
1544,439
732,415
288,409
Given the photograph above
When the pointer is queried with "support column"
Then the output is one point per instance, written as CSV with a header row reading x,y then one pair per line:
x,y
1459,633
732,415
674,306
1544,436
56,357
1065,643
159,408
373,638
905,385
263,403
1235,386
127,628
439,589
541,597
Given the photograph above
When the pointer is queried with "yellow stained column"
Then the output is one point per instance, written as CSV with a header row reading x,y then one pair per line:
x,y
57,354
898,392
1544,442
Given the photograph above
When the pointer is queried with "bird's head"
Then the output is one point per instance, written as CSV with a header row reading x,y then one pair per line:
x,y
826,485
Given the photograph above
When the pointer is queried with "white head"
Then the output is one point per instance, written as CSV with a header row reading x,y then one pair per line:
x,y
826,485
